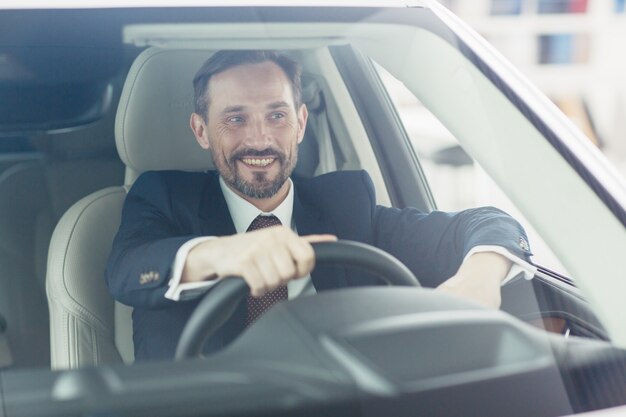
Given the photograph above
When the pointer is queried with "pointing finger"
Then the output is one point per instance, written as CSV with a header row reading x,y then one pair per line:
x,y
320,238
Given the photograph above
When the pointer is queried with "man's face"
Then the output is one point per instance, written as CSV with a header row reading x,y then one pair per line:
x,y
253,128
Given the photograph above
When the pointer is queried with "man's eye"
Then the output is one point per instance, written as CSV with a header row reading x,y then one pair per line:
x,y
277,115
235,119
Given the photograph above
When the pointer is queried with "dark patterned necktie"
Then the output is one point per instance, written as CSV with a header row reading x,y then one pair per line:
x,y
259,305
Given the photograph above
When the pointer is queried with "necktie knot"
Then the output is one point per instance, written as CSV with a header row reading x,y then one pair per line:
x,y
262,221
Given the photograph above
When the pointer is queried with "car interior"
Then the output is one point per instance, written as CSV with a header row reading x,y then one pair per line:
x,y
38,192
152,133
62,209
86,327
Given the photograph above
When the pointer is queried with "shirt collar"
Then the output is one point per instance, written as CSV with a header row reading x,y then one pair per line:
x,y
243,212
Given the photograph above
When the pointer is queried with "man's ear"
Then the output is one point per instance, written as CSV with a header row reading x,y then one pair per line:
x,y
199,129
302,115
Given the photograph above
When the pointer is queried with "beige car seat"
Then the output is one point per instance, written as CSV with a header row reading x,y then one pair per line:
x,y
87,327
71,164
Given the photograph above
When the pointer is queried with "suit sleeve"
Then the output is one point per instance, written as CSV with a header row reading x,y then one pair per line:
x,y
433,245
145,246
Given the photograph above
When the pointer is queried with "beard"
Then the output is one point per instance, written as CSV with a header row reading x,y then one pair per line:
x,y
261,186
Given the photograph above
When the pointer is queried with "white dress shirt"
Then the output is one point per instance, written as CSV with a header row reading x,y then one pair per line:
x,y
243,213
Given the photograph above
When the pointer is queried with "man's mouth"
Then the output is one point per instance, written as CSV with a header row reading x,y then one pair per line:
x,y
258,162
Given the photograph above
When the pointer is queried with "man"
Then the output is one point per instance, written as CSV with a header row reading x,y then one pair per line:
x,y
182,232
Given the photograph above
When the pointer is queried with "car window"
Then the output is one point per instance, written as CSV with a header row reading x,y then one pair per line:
x,y
15,150
456,180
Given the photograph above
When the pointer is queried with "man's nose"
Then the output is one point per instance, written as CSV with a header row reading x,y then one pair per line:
x,y
258,134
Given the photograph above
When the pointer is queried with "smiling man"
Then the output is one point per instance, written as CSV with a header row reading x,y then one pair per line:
x,y
182,232
253,126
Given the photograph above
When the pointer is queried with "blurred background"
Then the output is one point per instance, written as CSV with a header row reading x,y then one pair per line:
x,y
572,50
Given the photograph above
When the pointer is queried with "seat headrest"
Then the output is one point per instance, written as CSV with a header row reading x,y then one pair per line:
x,y
152,123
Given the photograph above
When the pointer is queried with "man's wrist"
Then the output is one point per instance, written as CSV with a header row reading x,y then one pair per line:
x,y
490,266
176,286
520,267
198,265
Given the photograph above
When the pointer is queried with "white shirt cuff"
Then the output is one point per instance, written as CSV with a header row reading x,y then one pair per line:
x,y
519,266
178,291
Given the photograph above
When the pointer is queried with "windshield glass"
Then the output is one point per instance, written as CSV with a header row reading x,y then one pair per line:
x,y
149,154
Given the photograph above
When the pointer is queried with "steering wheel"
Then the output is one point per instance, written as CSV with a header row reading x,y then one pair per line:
x,y
220,303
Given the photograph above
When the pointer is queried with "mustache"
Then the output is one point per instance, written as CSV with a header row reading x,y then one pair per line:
x,y
255,153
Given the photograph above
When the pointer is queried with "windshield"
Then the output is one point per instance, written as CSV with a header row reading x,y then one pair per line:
x,y
141,148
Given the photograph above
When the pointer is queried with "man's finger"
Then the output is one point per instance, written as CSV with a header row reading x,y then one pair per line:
x,y
252,278
319,238
285,264
303,257
267,271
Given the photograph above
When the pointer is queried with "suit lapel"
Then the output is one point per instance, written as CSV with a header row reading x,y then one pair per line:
x,y
309,220
215,219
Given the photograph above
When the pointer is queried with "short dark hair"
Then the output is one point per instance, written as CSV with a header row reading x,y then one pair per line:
x,y
223,60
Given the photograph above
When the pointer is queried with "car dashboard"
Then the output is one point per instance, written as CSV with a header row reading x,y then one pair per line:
x,y
364,351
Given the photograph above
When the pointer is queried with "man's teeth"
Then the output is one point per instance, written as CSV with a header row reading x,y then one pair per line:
x,y
258,162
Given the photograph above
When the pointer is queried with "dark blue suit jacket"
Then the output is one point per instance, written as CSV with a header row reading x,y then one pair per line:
x,y
165,209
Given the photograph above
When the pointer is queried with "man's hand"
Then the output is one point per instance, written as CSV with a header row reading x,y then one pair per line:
x,y
479,278
266,258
